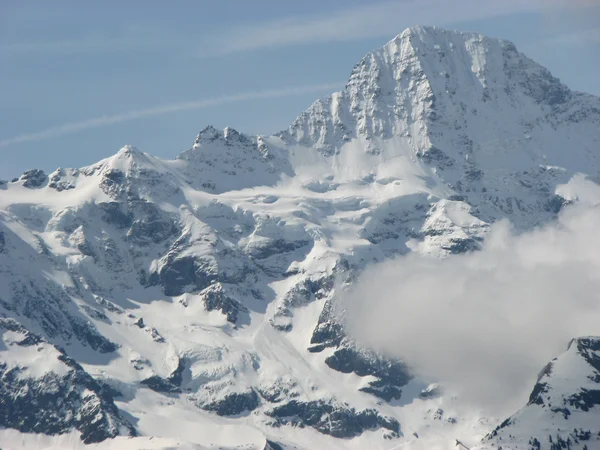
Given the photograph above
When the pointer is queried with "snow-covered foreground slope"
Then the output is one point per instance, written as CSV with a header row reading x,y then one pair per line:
x,y
199,297
562,411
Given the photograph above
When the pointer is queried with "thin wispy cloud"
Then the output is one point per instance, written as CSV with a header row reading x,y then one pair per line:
x,y
104,121
582,37
372,20
353,24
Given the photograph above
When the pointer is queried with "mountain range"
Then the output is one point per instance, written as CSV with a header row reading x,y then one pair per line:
x,y
198,302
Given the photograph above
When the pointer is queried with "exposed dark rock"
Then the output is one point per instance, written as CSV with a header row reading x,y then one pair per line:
x,y
208,134
233,136
382,390
473,174
545,88
589,349
561,410
585,399
214,298
456,246
161,385
86,333
301,294
156,336
85,246
140,363
29,340
276,247
179,274
279,390
328,332
270,445
555,204
34,178
233,404
308,290
552,401
10,324
280,325
506,423
2,242
586,345
338,421
392,374
537,394
176,376
47,307
109,305
435,156
94,313
150,225
57,182
112,213
536,398
112,183
57,404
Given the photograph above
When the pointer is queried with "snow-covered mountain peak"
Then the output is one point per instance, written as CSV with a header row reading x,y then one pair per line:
x,y
228,135
420,77
231,136
128,160
458,109
217,160
471,60
128,150
208,134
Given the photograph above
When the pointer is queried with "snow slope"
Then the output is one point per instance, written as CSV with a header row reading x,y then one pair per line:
x,y
202,294
562,411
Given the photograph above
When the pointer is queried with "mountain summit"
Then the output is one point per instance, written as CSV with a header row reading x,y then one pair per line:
x,y
418,77
197,299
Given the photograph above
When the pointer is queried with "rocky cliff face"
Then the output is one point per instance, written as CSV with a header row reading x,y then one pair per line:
x,y
209,289
45,391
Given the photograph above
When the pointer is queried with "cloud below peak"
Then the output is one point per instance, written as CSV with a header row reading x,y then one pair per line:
x,y
485,323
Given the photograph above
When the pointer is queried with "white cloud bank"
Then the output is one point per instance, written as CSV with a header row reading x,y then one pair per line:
x,y
486,323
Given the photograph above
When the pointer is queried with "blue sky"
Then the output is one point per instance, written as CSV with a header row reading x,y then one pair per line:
x,y
81,79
